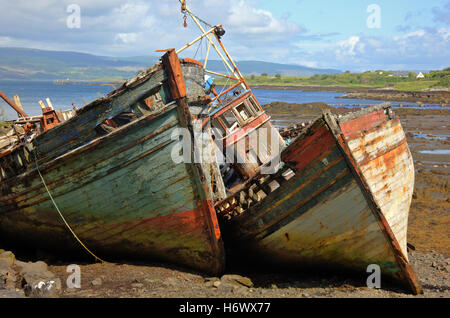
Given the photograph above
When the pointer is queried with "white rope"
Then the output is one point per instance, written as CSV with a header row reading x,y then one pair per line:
x,y
60,214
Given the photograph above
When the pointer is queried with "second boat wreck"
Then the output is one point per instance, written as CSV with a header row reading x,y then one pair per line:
x,y
339,200
335,193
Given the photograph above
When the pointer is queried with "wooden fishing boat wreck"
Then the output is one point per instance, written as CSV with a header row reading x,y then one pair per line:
x,y
108,171
335,194
339,196
340,199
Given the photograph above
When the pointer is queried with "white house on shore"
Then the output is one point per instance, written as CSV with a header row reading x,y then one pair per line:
x,y
420,75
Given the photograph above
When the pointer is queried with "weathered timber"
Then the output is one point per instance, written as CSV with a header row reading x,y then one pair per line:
x,y
328,212
120,190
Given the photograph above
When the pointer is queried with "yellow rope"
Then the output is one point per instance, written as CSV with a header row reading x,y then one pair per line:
x,y
62,217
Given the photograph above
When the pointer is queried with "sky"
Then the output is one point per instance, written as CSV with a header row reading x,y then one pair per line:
x,y
356,35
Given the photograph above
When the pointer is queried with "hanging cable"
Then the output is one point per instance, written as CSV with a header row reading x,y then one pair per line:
x,y
60,214
198,47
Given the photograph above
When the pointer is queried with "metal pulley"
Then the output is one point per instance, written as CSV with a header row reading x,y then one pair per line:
x,y
219,31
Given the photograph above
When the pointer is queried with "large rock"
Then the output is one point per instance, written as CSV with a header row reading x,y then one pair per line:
x,y
37,267
41,284
8,278
37,281
7,259
236,280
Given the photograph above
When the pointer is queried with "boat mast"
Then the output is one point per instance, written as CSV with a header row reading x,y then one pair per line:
x,y
218,32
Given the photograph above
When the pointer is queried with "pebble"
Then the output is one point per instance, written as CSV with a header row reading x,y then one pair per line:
x,y
97,282
212,279
137,285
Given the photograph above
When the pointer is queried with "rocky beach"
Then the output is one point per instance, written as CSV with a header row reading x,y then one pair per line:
x,y
25,273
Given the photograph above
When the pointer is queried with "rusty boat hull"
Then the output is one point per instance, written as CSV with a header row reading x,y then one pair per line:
x,y
340,200
121,192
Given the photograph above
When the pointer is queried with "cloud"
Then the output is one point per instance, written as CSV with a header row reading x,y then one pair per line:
x,y
442,14
126,38
445,33
423,49
417,34
348,47
139,27
245,19
5,40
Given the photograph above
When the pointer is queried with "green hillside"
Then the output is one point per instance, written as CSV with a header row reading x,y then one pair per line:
x,y
377,79
33,64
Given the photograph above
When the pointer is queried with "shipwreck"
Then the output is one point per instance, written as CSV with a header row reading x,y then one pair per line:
x,y
335,193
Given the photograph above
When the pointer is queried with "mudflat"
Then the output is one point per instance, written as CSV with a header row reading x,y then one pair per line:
x,y
428,136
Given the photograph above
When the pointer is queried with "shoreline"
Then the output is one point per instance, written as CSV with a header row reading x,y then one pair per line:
x,y
370,93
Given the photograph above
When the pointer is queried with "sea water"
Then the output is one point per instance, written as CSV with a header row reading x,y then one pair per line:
x,y
62,96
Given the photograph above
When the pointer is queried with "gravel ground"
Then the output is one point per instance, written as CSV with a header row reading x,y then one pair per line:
x,y
159,281
428,233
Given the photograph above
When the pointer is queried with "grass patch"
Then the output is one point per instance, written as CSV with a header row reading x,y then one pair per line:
x,y
415,85
377,79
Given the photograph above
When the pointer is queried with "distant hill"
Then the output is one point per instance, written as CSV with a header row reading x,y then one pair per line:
x,y
33,64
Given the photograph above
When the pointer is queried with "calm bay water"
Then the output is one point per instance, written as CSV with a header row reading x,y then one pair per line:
x,y
62,97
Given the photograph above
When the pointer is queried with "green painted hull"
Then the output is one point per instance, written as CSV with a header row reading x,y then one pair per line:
x,y
121,193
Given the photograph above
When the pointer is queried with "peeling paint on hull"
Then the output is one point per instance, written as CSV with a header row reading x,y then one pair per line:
x,y
121,193
325,214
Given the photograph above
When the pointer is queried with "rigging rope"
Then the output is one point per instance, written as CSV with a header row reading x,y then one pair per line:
x,y
204,22
198,47
60,214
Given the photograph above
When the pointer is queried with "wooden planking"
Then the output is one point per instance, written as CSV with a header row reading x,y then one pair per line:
x,y
311,179
110,153
370,145
93,179
81,128
129,213
329,217
363,122
389,174
326,235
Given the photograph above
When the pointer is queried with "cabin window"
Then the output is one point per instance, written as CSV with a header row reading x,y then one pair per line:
x,y
252,105
218,124
243,112
230,121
